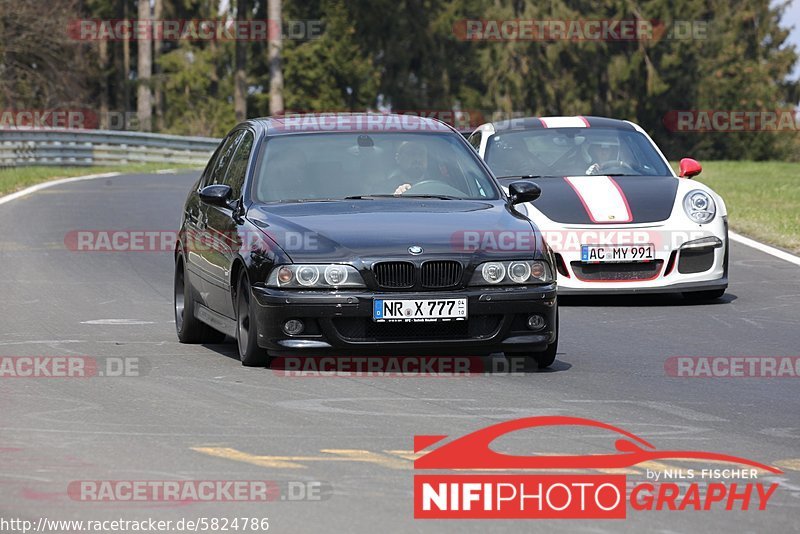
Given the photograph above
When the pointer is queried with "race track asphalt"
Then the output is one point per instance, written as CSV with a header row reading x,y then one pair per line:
x,y
195,413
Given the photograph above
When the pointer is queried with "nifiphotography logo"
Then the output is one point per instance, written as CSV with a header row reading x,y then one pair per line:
x,y
511,495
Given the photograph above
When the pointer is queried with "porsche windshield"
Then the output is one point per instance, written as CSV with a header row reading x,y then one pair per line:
x,y
573,152
321,166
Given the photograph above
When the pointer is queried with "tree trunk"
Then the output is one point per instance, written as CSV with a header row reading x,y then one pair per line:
x,y
240,79
105,83
158,90
144,99
275,71
126,70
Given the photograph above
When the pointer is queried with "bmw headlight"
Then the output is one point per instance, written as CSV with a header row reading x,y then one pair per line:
x,y
313,276
699,206
511,273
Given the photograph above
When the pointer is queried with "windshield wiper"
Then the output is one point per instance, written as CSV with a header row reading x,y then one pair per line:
x,y
521,177
439,197
367,197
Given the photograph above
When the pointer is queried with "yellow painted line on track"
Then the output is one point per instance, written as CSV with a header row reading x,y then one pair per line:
x,y
298,462
274,462
792,464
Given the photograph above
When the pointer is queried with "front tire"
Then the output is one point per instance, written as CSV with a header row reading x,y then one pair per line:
x,y
187,326
545,358
250,353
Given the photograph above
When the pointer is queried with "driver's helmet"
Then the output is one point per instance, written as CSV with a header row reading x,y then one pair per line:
x,y
603,149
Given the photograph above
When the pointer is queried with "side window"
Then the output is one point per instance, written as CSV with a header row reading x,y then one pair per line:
x,y
205,177
475,140
238,167
217,174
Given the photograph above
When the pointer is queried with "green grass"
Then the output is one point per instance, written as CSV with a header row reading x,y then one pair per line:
x,y
16,178
763,198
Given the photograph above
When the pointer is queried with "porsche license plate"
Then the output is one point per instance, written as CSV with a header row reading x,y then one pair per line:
x,y
617,253
427,310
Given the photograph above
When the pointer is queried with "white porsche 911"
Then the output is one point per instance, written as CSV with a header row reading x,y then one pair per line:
x,y
615,214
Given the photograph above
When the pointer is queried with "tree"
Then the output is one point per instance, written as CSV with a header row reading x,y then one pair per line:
x,y
144,70
158,44
332,72
240,84
275,68
41,64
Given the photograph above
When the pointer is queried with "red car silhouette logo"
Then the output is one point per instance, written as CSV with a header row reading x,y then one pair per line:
x,y
473,450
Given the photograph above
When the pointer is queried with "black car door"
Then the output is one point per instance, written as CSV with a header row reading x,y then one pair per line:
x,y
201,248
194,226
223,227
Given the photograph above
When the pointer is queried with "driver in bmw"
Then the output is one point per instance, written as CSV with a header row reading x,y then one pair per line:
x,y
412,162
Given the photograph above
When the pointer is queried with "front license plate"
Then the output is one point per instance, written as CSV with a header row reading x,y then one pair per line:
x,y
412,311
617,253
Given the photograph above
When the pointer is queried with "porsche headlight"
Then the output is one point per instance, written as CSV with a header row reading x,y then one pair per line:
x,y
313,276
511,273
699,206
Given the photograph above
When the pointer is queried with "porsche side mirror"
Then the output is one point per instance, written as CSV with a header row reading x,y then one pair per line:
x,y
216,195
689,168
523,192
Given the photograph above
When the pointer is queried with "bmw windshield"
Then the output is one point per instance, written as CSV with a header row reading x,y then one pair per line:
x,y
333,166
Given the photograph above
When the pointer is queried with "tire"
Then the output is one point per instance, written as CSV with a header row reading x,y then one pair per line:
x,y
545,358
187,326
698,296
250,353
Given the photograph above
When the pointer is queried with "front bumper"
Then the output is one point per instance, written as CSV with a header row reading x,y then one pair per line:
x,y
675,269
686,287
341,322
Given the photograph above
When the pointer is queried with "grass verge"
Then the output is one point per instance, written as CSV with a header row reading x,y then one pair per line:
x,y
16,178
763,198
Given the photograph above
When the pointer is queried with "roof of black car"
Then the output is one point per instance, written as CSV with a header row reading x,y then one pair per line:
x,y
349,122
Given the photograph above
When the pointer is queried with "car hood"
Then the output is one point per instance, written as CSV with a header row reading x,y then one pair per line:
x,y
348,231
603,200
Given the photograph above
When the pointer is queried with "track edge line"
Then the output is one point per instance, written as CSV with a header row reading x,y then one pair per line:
x,y
44,185
767,249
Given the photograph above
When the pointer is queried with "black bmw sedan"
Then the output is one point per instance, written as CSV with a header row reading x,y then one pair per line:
x,y
347,234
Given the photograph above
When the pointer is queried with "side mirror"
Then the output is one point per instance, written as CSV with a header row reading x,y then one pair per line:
x,y
523,192
216,195
689,168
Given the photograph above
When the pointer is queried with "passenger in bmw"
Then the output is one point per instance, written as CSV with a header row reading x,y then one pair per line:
x,y
291,165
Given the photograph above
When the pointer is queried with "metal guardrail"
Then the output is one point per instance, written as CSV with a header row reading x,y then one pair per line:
x,y
24,147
